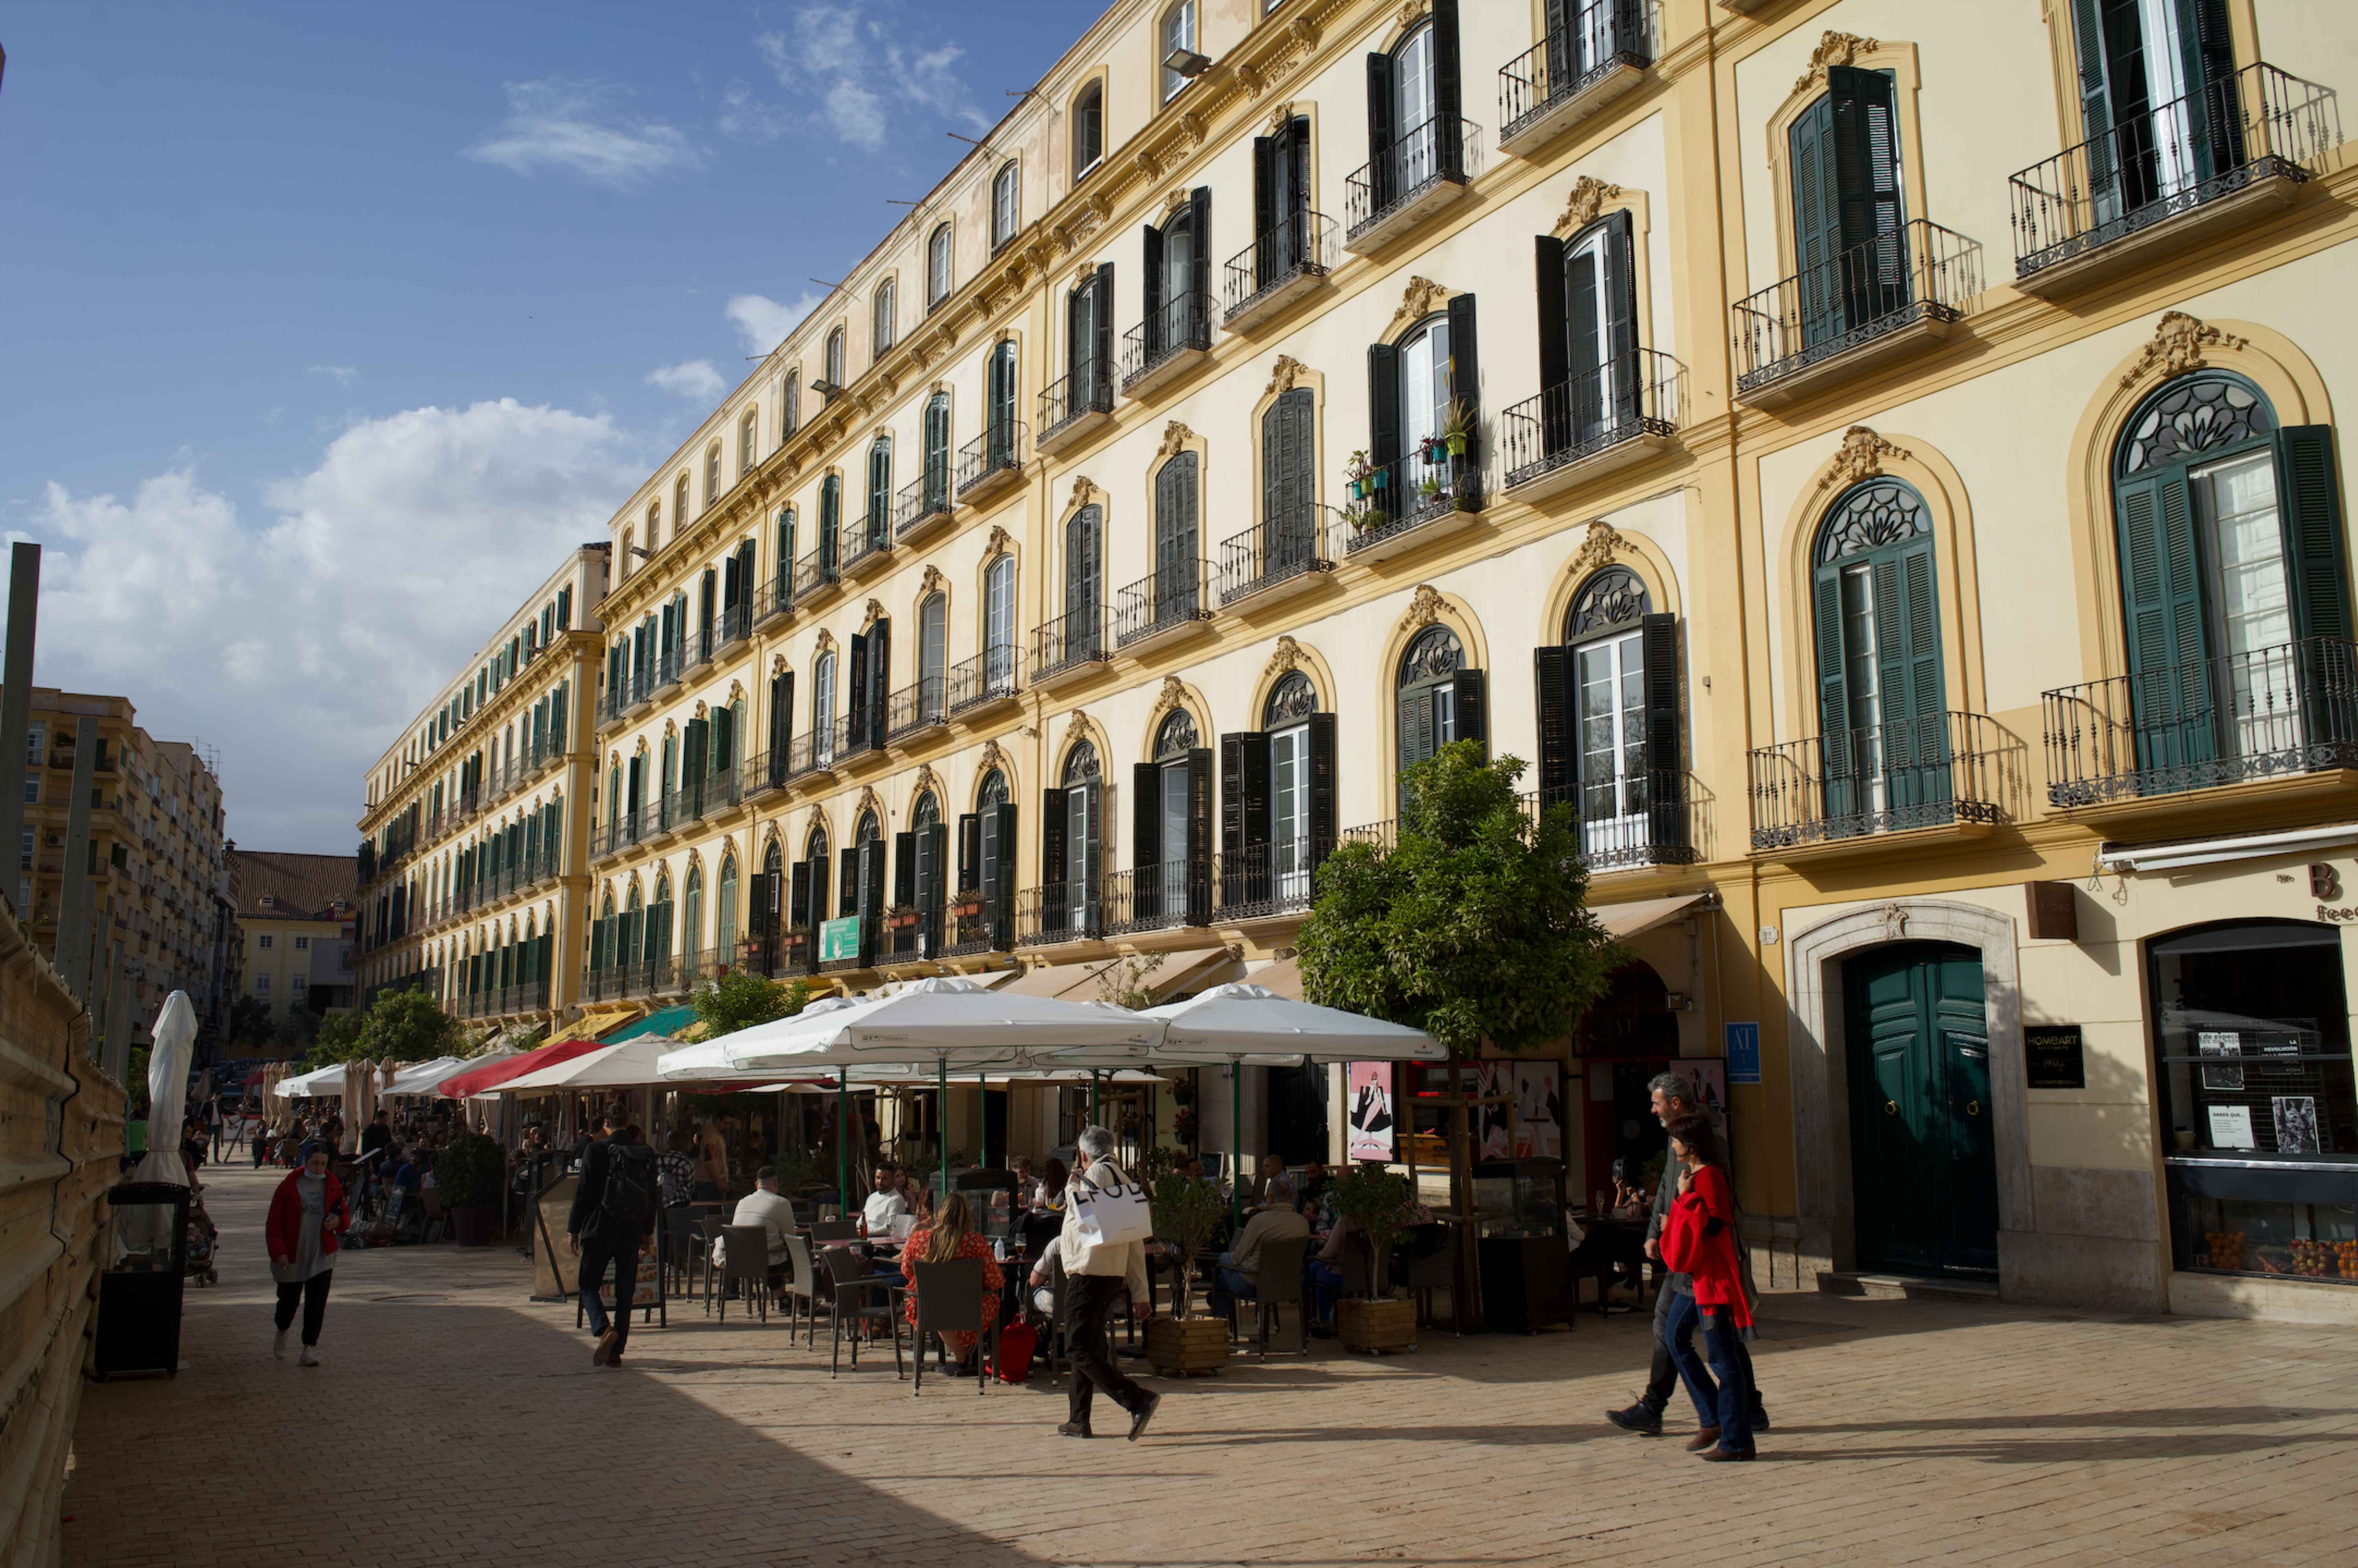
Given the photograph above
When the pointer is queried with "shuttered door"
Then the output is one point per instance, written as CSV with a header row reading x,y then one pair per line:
x,y
1384,428
1448,97
830,523
1665,784
1817,227
1326,822
1381,133
937,452
1552,681
1874,264
2171,708
932,855
1289,489
1084,582
856,699
970,852
998,874
1196,315
1152,328
1054,916
1624,373
1101,325
1466,391
871,901
1267,248
1146,848
1244,819
879,679
1908,674
1176,574
2215,117
2102,166
1197,902
1000,413
782,723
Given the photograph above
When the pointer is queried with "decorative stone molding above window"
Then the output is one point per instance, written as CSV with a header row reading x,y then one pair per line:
x,y
1587,198
1597,548
1176,437
992,757
1421,299
2177,348
1862,457
1423,608
1284,375
1833,50
998,544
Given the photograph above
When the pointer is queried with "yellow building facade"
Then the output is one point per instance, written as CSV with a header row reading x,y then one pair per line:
x,y
1876,460
297,921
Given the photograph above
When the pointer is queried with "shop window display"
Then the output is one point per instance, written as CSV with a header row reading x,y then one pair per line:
x,y
2259,1104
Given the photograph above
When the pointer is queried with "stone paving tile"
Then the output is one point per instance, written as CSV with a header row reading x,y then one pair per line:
x,y
456,1421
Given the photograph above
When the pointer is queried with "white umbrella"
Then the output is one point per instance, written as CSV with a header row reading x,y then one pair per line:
x,y
419,1077
175,1034
324,1082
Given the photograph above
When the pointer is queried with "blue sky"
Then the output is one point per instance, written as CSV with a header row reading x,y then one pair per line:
x,y
329,326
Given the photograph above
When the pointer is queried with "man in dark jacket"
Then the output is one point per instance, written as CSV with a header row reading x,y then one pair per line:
x,y
1674,1097
615,1208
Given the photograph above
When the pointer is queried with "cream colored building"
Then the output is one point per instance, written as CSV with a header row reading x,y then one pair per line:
x,y
1876,460
296,921
474,837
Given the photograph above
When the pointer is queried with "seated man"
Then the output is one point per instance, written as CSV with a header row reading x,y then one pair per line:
x,y
763,1207
1315,1182
886,1203
1238,1278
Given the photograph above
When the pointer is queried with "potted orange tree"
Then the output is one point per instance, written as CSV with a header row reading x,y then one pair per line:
x,y
1380,1206
1187,1212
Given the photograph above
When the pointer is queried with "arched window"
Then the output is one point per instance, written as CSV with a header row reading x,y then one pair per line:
x,y
1436,696
1300,790
2232,581
1072,845
711,473
998,626
725,912
1173,824
992,791
1177,36
1006,211
1609,718
823,709
938,256
932,658
1588,344
815,856
1289,491
1082,632
999,405
654,523
692,921
1178,569
1088,129
884,318
937,454
748,436
790,404
1875,610
679,504
786,545
879,494
835,361
1850,239
629,537
831,524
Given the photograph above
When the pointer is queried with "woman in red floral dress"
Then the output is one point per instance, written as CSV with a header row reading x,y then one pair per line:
x,y
951,1235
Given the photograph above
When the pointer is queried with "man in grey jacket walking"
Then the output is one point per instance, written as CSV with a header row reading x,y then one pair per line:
x,y
1674,1096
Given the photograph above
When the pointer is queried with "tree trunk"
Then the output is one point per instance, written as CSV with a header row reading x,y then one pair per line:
x,y
1466,1293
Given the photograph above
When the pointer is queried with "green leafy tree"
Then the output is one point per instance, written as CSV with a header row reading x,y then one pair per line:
x,y
740,998
249,1022
338,1040
408,1026
295,1030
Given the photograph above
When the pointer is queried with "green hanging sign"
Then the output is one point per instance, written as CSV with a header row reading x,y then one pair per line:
x,y
838,938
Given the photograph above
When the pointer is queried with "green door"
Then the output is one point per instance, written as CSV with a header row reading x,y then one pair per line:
x,y
1923,1166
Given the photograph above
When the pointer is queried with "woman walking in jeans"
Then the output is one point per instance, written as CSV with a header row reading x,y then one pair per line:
x,y
306,1215
1699,1239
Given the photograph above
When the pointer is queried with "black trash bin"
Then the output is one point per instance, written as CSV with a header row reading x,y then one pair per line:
x,y
139,1295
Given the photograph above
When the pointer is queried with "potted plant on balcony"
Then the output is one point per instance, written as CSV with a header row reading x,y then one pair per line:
x,y
1457,428
1380,1206
468,1175
1364,477
1187,1212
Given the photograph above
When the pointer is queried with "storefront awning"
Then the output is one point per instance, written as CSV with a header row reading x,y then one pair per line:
x,y
493,1073
1282,977
1623,921
662,1021
597,1020
1055,980
1196,969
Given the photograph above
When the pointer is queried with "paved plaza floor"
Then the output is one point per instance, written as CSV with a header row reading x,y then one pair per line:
x,y
457,1422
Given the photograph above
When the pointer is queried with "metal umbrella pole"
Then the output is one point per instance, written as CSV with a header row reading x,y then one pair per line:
x,y
1097,1098
942,1118
842,1141
1236,1143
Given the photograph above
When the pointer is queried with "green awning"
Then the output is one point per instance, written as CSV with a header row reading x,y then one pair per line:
x,y
665,1020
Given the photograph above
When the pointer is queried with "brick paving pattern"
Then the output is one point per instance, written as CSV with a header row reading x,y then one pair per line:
x,y
457,1422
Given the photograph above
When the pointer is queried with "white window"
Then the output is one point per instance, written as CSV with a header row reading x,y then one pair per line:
x,y
299,985
265,941
262,985
1178,33
823,711
711,473
882,321
32,789
998,625
937,267
302,943
1289,787
1611,674
1005,204
2235,503
1425,384
790,404
746,429
35,737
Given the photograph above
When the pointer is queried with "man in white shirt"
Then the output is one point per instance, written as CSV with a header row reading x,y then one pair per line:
x,y
764,1207
885,1204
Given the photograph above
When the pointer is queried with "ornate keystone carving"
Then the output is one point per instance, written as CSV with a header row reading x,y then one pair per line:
x,y
1862,455
1423,608
1421,299
933,582
992,757
1597,548
1286,659
1585,201
1285,374
1085,490
2177,347
1833,49
1175,436
999,542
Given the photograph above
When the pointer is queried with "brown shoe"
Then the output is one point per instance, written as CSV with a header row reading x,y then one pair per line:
x,y
1074,1429
1704,1439
605,1350
1727,1455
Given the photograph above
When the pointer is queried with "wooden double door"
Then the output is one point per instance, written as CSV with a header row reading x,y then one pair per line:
x,y
1923,1160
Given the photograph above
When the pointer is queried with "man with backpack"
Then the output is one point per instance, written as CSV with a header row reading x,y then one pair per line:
x,y
614,1213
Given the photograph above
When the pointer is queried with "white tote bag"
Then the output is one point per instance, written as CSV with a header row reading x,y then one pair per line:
x,y
1110,1215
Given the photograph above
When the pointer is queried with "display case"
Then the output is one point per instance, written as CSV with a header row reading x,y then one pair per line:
x,y
1518,1216
139,1295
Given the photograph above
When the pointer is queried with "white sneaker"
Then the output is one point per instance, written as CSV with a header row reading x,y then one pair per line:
x,y
278,1345
308,1358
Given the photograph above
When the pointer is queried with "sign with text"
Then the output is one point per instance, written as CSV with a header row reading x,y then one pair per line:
x,y
1742,1052
2052,1056
838,938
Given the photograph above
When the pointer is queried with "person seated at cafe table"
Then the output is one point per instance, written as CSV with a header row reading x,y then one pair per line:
x,y
1276,1220
773,1214
1273,1169
951,1235
1315,1182
885,1204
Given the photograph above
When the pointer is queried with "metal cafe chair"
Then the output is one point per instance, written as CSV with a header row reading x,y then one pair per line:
x,y
745,1260
1279,1285
950,1297
852,1297
707,1231
801,1287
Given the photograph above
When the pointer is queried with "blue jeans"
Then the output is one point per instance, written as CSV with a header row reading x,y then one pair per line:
x,y
1325,1285
597,1257
1229,1286
1726,1404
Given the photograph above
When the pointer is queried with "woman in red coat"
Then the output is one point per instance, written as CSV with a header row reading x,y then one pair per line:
x,y
1699,1239
306,1215
951,1235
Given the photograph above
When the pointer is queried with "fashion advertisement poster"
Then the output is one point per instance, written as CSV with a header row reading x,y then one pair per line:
x,y
1373,1124
1494,1124
1538,1111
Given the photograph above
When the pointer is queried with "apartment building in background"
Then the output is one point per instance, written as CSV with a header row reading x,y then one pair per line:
x,y
154,870
475,830
1875,463
297,921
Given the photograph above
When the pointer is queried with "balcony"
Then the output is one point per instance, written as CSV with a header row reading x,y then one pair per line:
x,y
1294,548
764,772
774,599
736,624
1427,168
811,753
869,549
1601,53
1895,295
2115,747
642,698
610,705
915,708
1161,608
1173,340
967,927
1156,897
1279,268
983,682
923,507
2215,160
815,576
669,673
1648,818
1845,790
1069,648
991,464
702,647
1403,505
1061,911
1596,423
1076,407
723,790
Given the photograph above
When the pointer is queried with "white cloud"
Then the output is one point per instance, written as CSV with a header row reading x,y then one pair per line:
x,y
689,378
858,65
764,323
344,373
748,118
298,646
584,128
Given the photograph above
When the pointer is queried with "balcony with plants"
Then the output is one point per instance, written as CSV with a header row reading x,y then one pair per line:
x,y
1397,507
1596,423
1597,52
1425,170
1895,295
1280,267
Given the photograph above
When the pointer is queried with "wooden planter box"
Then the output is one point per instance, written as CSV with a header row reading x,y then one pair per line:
x,y
1384,1326
1187,1344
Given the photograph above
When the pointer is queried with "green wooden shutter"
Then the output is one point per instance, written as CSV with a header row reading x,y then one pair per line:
x,y
2174,719
1466,388
1837,775
1620,326
2103,171
1384,427
1198,893
1871,211
1914,741
1817,225
1555,358
1470,709
1152,327
1665,781
1553,681
1146,848
2311,505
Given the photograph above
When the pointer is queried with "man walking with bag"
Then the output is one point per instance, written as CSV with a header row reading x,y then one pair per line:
x,y
1107,1223
613,1211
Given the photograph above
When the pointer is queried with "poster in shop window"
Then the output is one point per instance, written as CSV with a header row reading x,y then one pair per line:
x,y
1494,1121
1372,1121
1538,1111
2295,1119
2222,1045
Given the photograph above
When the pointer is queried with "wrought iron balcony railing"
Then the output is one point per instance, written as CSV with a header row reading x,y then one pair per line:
x,y
1597,41
2256,124
1070,911
1069,642
1633,395
868,544
1296,539
1072,399
990,677
1425,162
1179,325
1156,897
991,459
919,707
1657,817
1165,600
775,598
1263,880
816,570
2292,709
1919,272
736,623
922,502
1407,494
1298,251
1929,772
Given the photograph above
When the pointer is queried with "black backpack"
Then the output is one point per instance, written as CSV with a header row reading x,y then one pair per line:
x,y
630,1193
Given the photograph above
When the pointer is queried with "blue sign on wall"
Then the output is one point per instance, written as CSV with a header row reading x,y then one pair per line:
x,y
1742,1052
